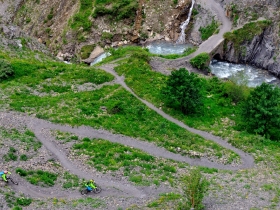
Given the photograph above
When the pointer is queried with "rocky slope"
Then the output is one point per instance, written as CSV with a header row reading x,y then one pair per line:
x,y
54,23
263,49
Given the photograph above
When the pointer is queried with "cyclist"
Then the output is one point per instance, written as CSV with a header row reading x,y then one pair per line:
x,y
90,185
3,174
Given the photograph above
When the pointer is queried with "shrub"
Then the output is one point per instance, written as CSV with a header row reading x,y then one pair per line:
x,y
24,201
195,188
184,90
236,88
23,157
86,50
261,111
200,61
6,70
209,30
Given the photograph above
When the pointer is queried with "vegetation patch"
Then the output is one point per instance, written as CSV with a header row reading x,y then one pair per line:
x,y
209,30
117,10
165,201
26,138
187,52
38,177
86,50
6,70
81,19
16,202
141,168
200,61
70,181
246,34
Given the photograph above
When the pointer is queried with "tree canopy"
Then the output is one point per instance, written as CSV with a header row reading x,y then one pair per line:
x,y
184,90
261,111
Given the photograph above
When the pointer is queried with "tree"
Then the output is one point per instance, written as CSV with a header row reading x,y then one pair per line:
x,y
261,111
6,70
195,187
184,90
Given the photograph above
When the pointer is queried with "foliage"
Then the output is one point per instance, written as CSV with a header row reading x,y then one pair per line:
x,y
107,156
184,90
119,9
38,176
23,157
70,180
195,187
86,50
17,202
246,34
200,61
236,88
209,30
106,35
187,52
6,70
11,155
81,19
261,111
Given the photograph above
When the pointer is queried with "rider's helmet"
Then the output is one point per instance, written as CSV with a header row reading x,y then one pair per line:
x,y
91,180
5,172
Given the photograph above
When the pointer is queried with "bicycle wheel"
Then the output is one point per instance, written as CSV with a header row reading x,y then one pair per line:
x,y
97,189
14,182
84,191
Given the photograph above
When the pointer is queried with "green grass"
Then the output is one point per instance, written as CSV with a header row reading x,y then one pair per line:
x,y
221,115
70,181
140,167
174,56
26,138
165,201
86,51
117,10
81,19
16,202
209,30
125,114
38,177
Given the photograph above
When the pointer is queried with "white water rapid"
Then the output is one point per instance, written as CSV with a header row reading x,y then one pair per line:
x,y
184,25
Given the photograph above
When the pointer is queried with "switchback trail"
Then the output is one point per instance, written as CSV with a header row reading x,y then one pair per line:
x,y
247,160
165,65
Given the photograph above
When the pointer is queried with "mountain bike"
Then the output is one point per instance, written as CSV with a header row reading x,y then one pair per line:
x,y
96,190
9,179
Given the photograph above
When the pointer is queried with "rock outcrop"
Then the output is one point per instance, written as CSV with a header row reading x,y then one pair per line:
x,y
260,52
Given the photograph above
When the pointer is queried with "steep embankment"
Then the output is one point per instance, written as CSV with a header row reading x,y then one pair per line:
x,y
261,50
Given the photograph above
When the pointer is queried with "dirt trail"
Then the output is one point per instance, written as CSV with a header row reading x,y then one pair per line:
x,y
160,64
247,160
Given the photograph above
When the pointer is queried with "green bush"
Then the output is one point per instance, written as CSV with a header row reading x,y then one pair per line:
x,y
39,176
23,157
184,90
200,61
120,9
6,70
86,50
81,19
261,111
209,30
24,201
195,187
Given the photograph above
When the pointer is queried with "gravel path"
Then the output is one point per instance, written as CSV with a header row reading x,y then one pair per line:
x,y
165,65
